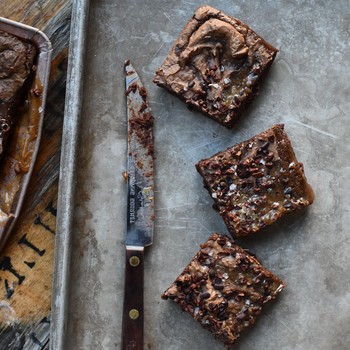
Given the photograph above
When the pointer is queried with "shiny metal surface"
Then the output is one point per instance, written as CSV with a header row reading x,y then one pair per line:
x,y
140,169
66,197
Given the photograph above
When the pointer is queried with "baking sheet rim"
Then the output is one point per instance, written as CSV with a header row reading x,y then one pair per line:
x,y
65,203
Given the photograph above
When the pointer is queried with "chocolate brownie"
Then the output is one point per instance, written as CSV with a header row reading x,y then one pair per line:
x,y
256,182
224,288
16,64
216,65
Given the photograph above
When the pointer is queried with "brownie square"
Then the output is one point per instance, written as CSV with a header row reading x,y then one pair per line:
x,y
256,182
216,65
224,288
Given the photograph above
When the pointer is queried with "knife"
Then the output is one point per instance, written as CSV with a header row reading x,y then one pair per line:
x,y
140,212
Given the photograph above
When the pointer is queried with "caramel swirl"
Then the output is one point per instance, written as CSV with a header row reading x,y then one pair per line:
x,y
216,36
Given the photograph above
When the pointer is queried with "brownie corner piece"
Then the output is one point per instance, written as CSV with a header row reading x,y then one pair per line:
x,y
224,288
256,182
216,65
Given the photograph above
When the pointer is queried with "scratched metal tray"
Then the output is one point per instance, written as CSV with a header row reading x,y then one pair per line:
x,y
25,139
307,89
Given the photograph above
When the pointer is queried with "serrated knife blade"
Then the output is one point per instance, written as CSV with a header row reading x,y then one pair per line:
x,y
140,204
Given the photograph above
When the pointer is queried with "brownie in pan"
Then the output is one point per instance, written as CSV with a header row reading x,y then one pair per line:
x,y
16,67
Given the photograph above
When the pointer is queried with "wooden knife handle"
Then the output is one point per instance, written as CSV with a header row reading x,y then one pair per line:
x,y
132,328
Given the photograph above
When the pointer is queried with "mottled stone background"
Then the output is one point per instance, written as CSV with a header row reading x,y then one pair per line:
x,y
307,89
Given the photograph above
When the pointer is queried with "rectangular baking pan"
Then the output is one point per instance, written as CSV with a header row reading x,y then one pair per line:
x,y
308,250
14,185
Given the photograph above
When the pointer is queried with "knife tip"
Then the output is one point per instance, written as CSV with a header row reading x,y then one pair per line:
x,y
129,69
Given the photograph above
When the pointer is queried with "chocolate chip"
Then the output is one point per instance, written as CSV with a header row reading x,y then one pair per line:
x,y
191,84
222,316
212,273
242,171
223,184
204,295
221,241
241,316
178,49
218,284
267,292
223,307
179,283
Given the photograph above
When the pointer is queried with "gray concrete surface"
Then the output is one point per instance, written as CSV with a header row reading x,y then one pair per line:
x,y
307,89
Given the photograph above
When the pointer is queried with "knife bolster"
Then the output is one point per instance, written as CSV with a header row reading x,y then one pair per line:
x,y
132,332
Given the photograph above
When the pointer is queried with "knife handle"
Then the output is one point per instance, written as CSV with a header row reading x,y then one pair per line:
x,y
132,327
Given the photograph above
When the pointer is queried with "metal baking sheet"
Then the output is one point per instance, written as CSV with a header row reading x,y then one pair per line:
x,y
307,89
25,139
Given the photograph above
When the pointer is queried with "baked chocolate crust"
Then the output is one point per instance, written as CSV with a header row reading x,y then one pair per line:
x,y
256,182
224,288
216,65
16,64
